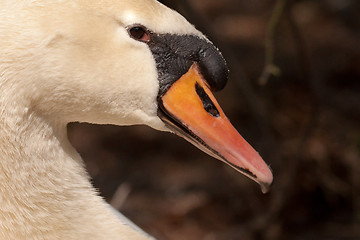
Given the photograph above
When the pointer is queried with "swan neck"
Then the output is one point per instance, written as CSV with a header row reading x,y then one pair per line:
x,y
45,190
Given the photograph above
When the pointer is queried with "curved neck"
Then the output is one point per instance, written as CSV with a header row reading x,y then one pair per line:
x,y
45,190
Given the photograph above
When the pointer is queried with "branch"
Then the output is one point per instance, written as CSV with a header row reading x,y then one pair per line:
x,y
270,68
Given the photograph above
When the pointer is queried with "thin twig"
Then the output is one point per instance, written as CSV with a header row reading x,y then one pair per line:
x,y
120,196
270,68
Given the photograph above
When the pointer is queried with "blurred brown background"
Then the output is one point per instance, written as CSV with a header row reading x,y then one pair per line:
x,y
303,119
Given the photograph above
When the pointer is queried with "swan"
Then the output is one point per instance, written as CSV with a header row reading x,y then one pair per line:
x,y
121,62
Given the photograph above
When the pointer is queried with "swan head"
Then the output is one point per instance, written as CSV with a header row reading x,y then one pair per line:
x,y
130,62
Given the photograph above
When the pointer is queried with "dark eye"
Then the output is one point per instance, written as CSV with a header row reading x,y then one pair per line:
x,y
139,33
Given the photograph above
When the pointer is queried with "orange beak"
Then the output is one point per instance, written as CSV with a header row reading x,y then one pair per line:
x,y
190,109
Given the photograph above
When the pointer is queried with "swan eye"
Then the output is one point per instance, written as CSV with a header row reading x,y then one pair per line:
x,y
139,33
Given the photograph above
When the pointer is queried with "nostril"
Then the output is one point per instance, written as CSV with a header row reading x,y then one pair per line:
x,y
207,103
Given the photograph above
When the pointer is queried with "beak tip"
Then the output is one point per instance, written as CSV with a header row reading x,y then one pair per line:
x,y
266,183
265,187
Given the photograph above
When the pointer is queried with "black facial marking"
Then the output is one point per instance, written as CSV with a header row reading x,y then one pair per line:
x,y
175,54
208,104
